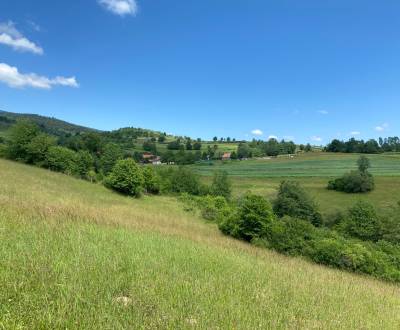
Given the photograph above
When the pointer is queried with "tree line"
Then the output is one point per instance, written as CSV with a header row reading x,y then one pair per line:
x,y
390,144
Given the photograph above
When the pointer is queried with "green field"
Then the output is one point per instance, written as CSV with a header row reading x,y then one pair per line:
x,y
313,171
75,255
317,164
163,147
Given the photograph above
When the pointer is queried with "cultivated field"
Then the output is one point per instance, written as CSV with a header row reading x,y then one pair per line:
x,y
75,255
313,171
318,164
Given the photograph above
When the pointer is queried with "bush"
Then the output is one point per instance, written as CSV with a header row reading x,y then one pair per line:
x,y
152,182
328,251
181,180
126,177
293,201
362,222
251,220
360,181
61,159
291,236
390,220
353,182
214,208
221,186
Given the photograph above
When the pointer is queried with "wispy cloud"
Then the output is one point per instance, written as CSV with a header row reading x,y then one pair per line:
x,y
120,7
288,137
272,137
11,37
382,127
257,132
13,78
316,138
355,133
323,112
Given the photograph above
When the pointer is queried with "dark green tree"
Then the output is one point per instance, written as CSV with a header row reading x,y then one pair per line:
x,y
126,177
111,154
293,201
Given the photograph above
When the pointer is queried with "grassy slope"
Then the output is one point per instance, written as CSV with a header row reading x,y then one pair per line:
x,y
69,249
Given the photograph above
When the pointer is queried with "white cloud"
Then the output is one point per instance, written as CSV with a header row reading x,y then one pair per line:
x,y
288,137
257,132
272,137
316,138
354,133
323,112
13,78
382,127
10,36
120,7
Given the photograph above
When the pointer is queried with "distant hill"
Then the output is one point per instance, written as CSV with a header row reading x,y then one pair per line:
x,y
50,125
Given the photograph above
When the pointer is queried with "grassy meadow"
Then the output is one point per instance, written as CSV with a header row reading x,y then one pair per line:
x,y
318,164
75,255
313,171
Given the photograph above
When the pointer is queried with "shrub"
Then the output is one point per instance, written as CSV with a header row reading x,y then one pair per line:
x,y
126,177
221,186
363,222
360,181
293,201
181,180
251,220
291,236
152,182
214,208
390,221
61,159
3,150
328,251
353,182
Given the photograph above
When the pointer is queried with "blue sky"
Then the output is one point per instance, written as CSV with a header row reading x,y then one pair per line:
x,y
307,70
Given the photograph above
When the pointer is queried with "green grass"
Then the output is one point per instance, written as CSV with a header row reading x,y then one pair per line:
x,y
163,147
75,255
304,165
312,171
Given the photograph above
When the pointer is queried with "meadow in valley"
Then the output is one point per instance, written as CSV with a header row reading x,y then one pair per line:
x,y
312,171
76,255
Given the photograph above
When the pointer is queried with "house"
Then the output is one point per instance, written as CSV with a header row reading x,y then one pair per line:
x,y
148,157
226,156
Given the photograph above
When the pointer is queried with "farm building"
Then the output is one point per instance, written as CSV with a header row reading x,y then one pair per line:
x,y
226,156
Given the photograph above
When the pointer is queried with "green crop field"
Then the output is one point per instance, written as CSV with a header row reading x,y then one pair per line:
x,y
77,256
163,147
313,171
303,165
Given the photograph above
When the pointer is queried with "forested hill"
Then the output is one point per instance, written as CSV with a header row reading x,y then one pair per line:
x,y
50,125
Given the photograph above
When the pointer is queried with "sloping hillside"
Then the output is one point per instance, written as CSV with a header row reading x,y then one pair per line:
x,y
75,255
50,125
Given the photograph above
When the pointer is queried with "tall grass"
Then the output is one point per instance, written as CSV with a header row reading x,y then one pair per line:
x,y
75,255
